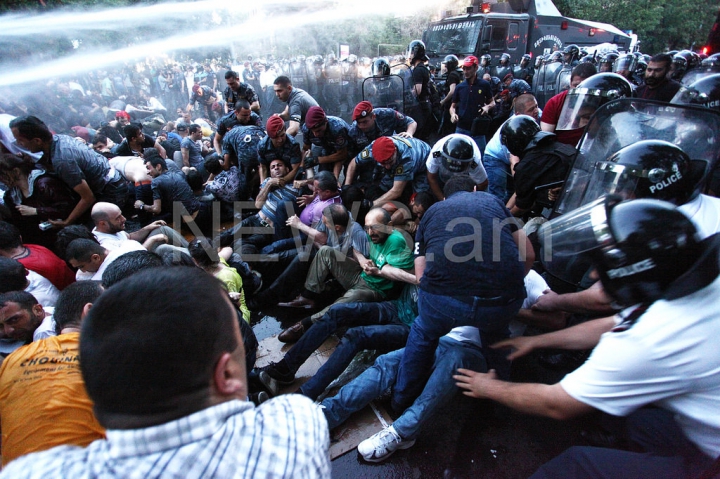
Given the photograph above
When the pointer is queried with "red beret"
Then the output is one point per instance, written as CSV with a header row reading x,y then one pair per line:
x,y
362,109
195,88
122,114
509,76
314,117
383,149
274,125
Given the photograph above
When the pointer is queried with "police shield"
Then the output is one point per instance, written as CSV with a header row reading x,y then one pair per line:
x,y
385,92
545,82
626,121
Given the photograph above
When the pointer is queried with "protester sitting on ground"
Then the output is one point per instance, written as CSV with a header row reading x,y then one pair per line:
x,y
188,377
110,231
129,264
208,258
364,279
409,218
15,277
132,169
24,319
91,259
278,145
34,257
54,398
33,197
136,141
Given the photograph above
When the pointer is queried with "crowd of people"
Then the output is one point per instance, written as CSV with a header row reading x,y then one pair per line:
x,y
407,219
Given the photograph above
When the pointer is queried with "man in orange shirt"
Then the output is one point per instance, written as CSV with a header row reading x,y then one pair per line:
x,y
43,402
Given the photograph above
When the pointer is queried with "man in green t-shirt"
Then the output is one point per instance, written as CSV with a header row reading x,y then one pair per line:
x,y
376,278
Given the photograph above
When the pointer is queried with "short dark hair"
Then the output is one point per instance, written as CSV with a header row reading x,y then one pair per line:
x,y
194,179
24,299
231,74
459,183
9,236
583,70
155,161
337,214
283,81
72,301
31,127
128,264
13,276
242,104
203,252
69,233
326,181
177,258
212,164
82,249
155,338
100,138
662,58
194,127
425,199
131,130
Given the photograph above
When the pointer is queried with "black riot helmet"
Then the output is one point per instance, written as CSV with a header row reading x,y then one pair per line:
x,y
712,62
451,62
518,132
571,53
704,92
582,101
485,60
678,67
504,59
458,153
555,57
627,62
525,60
380,68
416,51
639,247
607,61
654,169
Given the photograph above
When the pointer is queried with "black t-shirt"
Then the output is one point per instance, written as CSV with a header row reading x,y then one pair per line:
x,y
540,166
421,75
171,186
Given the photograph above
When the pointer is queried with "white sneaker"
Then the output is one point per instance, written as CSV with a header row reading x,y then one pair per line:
x,y
382,445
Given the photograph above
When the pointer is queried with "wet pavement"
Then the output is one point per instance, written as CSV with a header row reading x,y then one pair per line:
x,y
468,438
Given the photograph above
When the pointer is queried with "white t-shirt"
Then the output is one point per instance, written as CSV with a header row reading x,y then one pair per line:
x,y
704,211
111,241
434,163
43,290
126,247
534,286
669,358
47,327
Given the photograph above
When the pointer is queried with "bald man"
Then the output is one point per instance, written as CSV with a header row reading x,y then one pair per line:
x,y
110,231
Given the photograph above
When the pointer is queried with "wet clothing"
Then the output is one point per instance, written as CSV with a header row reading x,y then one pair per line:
x,y
388,122
410,166
229,121
244,91
195,157
299,103
289,152
170,187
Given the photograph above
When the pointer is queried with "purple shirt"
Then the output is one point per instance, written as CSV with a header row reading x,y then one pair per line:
x,y
312,213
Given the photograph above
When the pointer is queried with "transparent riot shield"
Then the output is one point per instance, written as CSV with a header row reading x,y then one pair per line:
x,y
626,121
545,82
385,92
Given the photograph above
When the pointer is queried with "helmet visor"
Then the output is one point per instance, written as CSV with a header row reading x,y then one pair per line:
x,y
568,240
613,179
579,106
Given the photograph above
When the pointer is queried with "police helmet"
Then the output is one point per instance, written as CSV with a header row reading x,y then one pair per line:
x,y
380,68
504,59
525,60
331,58
485,60
627,62
712,62
607,61
556,57
416,50
318,60
457,153
518,132
571,52
451,62
654,169
582,101
641,67
704,92
639,247
679,66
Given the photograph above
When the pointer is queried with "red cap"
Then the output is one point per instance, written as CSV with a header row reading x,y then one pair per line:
x,y
470,60
314,117
274,125
383,149
362,109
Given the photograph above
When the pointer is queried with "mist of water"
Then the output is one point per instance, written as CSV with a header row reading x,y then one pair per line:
x,y
224,24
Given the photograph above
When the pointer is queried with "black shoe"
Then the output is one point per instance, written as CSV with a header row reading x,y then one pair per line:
x,y
259,398
282,378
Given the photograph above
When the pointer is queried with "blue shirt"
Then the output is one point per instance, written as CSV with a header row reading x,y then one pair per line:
x,y
195,153
388,122
469,100
335,137
229,121
289,152
242,142
412,155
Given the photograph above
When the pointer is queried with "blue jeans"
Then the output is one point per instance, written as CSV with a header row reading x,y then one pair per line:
x,y
380,338
440,388
339,315
668,454
498,173
480,141
437,316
